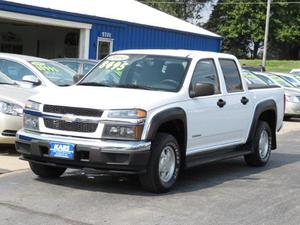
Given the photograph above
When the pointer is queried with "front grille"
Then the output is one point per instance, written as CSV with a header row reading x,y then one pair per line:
x,y
73,110
73,126
9,133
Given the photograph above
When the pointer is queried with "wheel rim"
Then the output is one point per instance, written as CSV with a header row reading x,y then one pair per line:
x,y
167,164
264,144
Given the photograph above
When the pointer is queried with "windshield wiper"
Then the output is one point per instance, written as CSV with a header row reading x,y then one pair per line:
x,y
8,83
134,86
94,84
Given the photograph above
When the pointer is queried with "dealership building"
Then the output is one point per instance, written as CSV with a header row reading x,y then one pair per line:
x,y
94,28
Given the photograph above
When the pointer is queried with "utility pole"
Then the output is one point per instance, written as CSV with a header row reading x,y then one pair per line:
x,y
266,34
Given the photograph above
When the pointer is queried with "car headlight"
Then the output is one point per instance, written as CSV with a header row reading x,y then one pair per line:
x,y
11,108
128,132
30,122
127,114
293,99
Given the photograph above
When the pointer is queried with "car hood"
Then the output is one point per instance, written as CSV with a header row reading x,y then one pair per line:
x,y
15,94
105,97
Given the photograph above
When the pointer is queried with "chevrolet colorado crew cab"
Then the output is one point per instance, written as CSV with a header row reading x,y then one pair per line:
x,y
151,113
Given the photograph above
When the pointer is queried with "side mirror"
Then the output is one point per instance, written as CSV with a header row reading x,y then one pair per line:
x,y
200,89
31,79
77,78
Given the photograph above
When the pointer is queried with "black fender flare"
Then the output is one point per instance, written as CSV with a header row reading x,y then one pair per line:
x,y
165,116
259,110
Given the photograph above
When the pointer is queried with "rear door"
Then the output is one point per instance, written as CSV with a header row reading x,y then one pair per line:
x,y
237,111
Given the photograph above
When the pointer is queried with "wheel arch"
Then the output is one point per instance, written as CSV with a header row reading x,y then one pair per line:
x,y
174,122
265,111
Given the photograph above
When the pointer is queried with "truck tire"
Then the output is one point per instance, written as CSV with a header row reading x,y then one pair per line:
x,y
164,165
261,146
45,171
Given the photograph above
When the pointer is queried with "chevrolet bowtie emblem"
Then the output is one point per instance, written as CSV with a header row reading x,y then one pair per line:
x,y
69,118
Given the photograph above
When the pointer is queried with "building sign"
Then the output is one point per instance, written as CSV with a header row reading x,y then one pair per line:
x,y
106,35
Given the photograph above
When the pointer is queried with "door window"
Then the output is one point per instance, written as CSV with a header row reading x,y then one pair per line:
x,y
13,70
231,75
104,47
205,72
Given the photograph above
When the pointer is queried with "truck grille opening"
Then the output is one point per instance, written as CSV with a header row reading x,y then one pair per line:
x,y
73,110
73,126
9,133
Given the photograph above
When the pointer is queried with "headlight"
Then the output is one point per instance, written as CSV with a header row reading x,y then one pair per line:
x,y
129,132
11,109
293,99
30,122
32,105
127,114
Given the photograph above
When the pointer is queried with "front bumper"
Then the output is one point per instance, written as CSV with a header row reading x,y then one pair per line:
x,y
9,125
292,109
111,156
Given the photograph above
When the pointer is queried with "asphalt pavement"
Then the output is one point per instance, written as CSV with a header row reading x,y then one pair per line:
x,y
223,193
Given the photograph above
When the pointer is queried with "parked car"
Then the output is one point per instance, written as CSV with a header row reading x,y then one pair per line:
x,y
292,95
253,68
288,77
169,110
36,71
12,101
81,66
295,71
273,79
252,80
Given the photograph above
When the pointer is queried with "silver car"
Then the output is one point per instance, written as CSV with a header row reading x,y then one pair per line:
x,y
292,94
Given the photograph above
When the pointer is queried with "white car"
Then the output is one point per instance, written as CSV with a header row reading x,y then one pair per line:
x,y
12,101
152,113
295,71
35,71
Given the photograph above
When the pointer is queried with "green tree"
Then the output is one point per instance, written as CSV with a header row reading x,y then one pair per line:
x,y
242,24
183,9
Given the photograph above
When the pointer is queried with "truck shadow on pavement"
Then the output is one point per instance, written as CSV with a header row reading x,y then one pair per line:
x,y
191,180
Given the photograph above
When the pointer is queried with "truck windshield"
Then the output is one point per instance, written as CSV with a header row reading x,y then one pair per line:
x,y
55,72
147,72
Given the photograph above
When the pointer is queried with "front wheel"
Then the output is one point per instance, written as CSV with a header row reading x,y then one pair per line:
x,y
164,165
45,171
262,143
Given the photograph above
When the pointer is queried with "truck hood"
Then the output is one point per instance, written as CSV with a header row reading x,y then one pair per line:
x,y
15,94
104,97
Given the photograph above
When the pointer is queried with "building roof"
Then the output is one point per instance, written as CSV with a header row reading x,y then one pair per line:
x,y
123,10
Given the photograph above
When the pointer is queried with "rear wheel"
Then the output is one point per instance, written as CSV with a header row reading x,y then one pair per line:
x,y
261,146
45,171
163,169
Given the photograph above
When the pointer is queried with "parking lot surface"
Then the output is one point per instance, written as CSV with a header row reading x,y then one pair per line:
x,y
227,192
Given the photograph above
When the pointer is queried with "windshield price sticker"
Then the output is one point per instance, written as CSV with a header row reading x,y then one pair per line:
x,y
118,57
113,65
44,68
249,76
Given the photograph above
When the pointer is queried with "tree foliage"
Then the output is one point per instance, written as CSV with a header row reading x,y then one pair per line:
x,y
183,9
243,25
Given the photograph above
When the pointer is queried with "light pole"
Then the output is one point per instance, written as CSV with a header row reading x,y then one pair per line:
x,y
266,34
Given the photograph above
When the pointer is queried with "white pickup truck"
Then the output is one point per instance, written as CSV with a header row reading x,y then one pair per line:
x,y
151,113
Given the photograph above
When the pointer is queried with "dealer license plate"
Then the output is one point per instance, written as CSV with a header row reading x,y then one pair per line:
x,y
61,150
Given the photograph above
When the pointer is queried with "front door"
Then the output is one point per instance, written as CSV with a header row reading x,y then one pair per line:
x,y
206,115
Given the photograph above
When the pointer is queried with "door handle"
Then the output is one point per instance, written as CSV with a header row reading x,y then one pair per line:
x,y
221,103
244,100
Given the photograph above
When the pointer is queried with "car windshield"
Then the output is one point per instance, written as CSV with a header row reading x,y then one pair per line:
x,y
5,80
72,65
55,72
281,81
140,72
251,78
292,80
266,79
